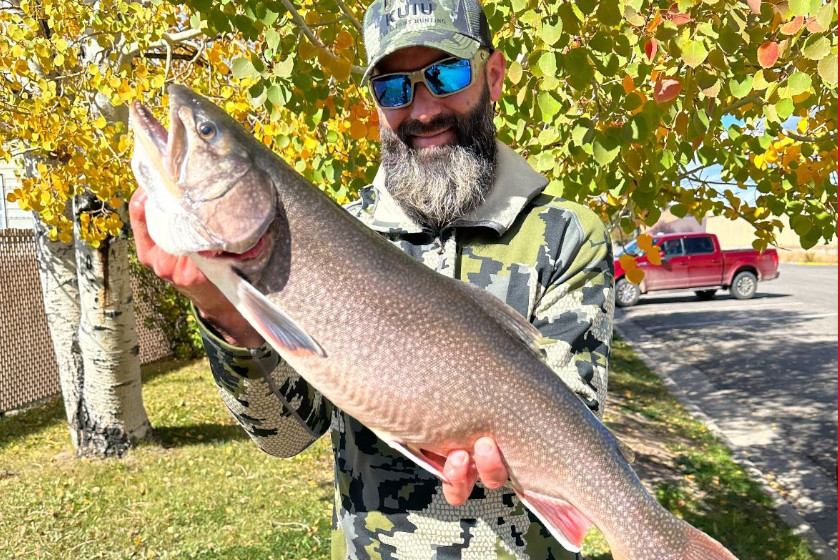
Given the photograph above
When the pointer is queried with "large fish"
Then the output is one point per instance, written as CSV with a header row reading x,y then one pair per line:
x,y
443,363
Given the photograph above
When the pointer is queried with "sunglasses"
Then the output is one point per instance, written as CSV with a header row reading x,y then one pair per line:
x,y
442,78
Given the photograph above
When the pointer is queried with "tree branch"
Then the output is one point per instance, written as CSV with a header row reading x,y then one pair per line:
x,y
168,40
692,172
346,11
826,137
313,38
741,102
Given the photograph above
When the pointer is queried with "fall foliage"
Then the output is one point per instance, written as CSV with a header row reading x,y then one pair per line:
x,y
724,107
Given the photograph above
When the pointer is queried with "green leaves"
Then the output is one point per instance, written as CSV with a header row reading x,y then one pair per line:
x,y
827,69
605,149
816,47
580,72
623,97
548,105
694,53
799,82
243,68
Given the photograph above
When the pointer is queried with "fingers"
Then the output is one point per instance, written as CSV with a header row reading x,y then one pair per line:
x,y
488,462
462,471
142,240
179,271
461,476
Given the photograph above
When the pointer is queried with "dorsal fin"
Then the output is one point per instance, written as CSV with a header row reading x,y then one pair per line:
x,y
506,316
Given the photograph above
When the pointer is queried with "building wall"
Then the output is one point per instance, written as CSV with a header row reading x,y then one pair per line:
x,y
11,216
732,234
28,371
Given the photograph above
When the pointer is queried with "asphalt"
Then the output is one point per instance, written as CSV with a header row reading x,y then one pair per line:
x,y
762,375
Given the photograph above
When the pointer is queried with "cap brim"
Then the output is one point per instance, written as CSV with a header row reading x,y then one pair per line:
x,y
450,42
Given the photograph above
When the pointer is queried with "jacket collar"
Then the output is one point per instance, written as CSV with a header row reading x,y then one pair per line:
x,y
515,185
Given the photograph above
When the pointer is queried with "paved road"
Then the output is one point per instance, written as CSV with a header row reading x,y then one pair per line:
x,y
764,373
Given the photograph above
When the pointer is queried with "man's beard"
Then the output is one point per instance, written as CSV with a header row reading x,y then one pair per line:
x,y
440,184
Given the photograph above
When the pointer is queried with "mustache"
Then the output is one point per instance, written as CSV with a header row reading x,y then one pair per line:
x,y
413,127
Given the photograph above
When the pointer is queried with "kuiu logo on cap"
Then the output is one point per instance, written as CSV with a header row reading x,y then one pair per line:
x,y
406,8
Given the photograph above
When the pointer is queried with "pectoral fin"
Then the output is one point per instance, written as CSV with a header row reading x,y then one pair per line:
x,y
428,462
562,519
279,330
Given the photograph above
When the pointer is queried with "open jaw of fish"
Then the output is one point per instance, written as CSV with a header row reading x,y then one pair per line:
x,y
182,219
162,163
217,191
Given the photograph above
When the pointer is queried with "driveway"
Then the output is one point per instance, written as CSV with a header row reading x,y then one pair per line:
x,y
763,374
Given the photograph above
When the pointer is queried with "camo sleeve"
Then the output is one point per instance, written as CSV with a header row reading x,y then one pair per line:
x,y
575,311
278,409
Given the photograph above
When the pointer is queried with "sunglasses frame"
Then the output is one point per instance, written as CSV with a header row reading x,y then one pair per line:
x,y
476,62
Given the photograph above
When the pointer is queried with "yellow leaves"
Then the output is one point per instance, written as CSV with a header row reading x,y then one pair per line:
x,y
123,143
627,261
631,270
783,152
42,50
634,275
652,253
100,122
802,126
358,129
157,81
344,40
21,67
339,67
307,50
60,45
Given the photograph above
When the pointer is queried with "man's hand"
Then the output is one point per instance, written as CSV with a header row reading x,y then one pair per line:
x,y
182,273
462,471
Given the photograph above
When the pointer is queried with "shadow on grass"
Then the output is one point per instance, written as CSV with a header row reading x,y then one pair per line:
x,y
176,436
32,420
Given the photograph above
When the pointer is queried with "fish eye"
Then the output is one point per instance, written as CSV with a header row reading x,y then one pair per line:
x,y
207,130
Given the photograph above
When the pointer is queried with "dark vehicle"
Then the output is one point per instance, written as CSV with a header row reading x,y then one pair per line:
x,y
694,261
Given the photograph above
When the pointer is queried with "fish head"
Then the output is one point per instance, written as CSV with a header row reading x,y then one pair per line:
x,y
203,177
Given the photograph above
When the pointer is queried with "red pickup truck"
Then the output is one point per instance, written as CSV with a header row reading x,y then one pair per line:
x,y
694,261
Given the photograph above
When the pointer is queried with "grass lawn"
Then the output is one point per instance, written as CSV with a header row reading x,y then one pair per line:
x,y
206,492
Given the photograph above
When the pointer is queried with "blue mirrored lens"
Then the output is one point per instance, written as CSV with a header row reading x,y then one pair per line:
x,y
392,91
448,76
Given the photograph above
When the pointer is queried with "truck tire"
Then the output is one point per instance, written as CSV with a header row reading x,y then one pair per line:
x,y
744,285
705,295
626,293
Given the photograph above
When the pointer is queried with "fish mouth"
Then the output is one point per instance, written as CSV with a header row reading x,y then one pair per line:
x,y
253,259
255,252
165,148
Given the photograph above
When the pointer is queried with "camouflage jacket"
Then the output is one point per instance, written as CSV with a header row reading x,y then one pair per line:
x,y
549,259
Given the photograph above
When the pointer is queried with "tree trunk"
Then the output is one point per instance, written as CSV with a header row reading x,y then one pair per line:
x,y
60,290
110,414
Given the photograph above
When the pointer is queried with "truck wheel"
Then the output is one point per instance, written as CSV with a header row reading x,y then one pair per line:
x,y
705,295
744,285
626,293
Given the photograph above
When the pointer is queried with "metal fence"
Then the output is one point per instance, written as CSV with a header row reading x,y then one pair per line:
x,y
28,371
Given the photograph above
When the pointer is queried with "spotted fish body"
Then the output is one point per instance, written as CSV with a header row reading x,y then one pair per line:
x,y
304,272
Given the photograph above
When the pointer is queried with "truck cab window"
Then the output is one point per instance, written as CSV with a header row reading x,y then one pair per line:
x,y
699,245
672,247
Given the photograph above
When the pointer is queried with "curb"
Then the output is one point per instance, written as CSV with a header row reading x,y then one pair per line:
x,y
630,333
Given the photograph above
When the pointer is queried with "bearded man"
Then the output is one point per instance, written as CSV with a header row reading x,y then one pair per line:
x,y
453,197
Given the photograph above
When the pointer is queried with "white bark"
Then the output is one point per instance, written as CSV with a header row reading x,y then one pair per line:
x,y
110,415
60,290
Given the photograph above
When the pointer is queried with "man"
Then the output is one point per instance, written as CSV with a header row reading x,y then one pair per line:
x,y
451,196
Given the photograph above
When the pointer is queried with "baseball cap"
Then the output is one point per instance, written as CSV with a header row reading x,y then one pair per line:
x,y
457,27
